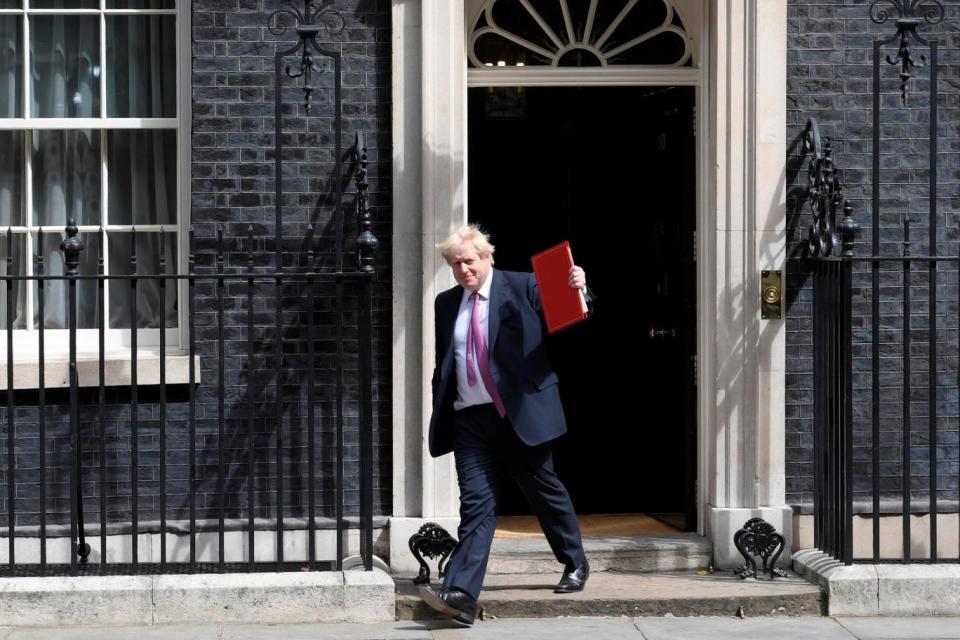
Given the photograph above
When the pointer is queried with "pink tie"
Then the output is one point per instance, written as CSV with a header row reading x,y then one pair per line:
x,y
476,347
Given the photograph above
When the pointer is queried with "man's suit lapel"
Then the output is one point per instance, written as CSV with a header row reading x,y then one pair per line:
x,y
448,322
499,291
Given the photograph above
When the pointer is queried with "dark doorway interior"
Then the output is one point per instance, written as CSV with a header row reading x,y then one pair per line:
x,y
612,170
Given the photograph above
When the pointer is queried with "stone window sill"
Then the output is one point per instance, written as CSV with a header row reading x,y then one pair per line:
x,y
117,370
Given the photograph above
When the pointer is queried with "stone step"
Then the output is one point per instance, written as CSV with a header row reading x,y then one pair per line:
x,y
642,553
632,594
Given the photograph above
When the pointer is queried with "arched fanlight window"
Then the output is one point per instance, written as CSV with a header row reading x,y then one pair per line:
x,y
579,33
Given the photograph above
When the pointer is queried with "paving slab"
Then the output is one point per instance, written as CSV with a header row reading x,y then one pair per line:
x,y
268,598
194,632
711,628
68,601
886,589
919,590
631,594
605,628
379,631
885,628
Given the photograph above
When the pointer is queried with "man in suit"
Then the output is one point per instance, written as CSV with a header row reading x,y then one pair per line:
x,y
497,407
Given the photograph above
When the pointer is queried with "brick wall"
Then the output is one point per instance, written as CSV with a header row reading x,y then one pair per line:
x,y
830,78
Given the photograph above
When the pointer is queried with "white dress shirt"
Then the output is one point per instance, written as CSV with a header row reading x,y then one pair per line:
x,y
477,394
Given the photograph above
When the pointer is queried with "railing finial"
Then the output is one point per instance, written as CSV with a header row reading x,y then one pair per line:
x,y
366,241
71,247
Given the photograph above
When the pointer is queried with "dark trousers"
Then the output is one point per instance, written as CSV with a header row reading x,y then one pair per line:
x,y
487,451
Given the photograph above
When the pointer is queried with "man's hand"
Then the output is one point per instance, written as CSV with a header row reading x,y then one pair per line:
x,y
578,278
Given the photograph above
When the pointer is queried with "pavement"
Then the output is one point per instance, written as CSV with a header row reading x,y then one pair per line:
x,y
662,628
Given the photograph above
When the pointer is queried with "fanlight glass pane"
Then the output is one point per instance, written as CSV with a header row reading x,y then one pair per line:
x,y
13,294
148,291
56,292
11,178
641,20
493,49
643,17
579,57
64,4
141,69
579,10
141,4
65,61
66,177
511,16
11,67
142,176
663,48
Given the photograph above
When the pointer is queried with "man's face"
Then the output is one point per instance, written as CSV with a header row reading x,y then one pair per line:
x,y
469,269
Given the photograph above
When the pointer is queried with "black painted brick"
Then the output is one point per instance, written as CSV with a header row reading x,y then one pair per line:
x,y
829,77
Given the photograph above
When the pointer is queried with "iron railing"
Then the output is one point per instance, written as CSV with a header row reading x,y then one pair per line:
x,y
285,349
897,385
829,248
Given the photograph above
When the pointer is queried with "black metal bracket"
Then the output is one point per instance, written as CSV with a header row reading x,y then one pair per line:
x,y
759,538
826,236
432,541
907,15
308,23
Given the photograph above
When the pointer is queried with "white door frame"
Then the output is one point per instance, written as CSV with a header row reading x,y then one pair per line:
x,y
741,218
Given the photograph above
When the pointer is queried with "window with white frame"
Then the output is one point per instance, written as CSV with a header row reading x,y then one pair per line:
x,y
90,127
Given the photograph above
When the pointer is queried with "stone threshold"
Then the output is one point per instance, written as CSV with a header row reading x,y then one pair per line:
x,y
686,593
883,589
636,553
242,598
647,552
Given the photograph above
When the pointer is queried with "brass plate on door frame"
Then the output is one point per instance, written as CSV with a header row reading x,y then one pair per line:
x,y
771,295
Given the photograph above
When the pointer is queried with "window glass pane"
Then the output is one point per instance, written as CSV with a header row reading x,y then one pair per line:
x,y
10,4
148,291
140,4
11,67
64,4
66,177
17,293
11,178
55,292
65,60
142,73
142,170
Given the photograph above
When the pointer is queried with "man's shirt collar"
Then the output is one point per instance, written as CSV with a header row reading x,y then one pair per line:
x,y
484,289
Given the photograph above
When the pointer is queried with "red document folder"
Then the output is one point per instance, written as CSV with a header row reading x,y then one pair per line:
x,y
562,304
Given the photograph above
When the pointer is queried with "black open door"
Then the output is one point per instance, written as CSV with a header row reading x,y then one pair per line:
x,y
613,171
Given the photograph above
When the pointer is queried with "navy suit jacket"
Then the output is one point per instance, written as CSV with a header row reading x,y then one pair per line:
x,y
518,362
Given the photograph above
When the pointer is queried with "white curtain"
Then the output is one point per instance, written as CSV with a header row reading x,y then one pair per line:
x,y
142,163
11,157
66,76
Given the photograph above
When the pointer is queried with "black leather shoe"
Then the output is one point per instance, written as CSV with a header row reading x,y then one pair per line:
x,y
451,602
573,579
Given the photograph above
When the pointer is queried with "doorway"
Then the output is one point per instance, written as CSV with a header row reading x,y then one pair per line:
x,y
612,170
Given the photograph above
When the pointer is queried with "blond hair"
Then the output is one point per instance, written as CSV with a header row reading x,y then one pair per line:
x,y
471,233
